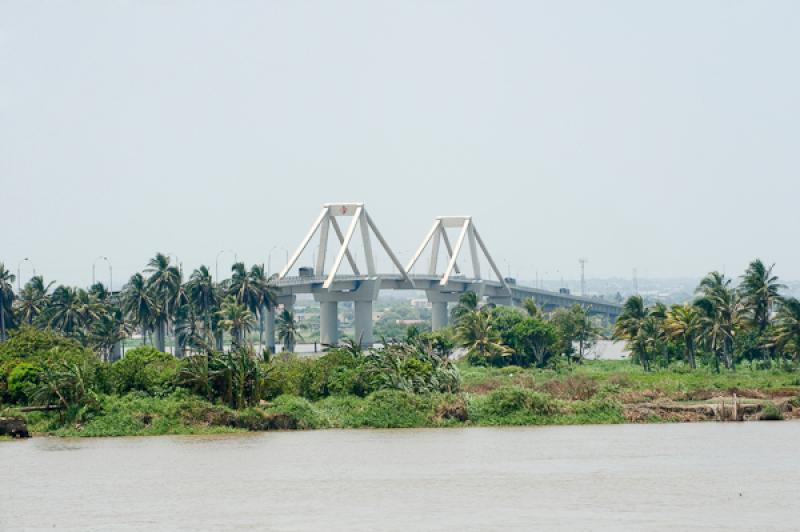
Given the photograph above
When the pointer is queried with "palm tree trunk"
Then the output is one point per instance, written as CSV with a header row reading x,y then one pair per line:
x,y
178,344
2,320
161,333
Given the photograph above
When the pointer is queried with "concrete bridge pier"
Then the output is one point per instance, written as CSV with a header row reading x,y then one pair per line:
x,y
440,314
269,318
269,327
363,296
329,322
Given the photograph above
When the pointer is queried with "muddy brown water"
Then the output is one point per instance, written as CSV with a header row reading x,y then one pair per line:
x,y
701,476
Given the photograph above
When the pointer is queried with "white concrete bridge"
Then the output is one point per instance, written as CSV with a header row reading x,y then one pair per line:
x,y
363,284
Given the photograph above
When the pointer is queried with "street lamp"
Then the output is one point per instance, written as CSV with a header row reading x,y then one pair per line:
x,y
216,261
177,261
19,267
110,272
269,257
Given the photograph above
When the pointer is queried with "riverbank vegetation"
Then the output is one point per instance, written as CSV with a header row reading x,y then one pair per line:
x,y
730,354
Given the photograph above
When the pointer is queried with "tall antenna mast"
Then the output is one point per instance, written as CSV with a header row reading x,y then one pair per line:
x,y
583,262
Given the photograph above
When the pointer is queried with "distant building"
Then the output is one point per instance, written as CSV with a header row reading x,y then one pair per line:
x,y
420,303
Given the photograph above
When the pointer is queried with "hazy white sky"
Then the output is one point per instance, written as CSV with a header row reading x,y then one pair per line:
x,y
657,135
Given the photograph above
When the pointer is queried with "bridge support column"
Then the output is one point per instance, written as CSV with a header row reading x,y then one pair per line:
x,y
329,322
439,315
363,295
439,301
269,328
362,318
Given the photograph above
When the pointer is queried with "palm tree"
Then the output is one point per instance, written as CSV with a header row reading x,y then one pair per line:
x,y
6,300
237,319
531,308
288,330
721,314
787,327
684,323
204,298
72,311
33,299
628,325
267,297
468,302
107,332
760,291
164,283
476,333
138,304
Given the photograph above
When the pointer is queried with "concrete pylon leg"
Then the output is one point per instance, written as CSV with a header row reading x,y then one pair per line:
x,y
362,314
269,329
438,315
329,322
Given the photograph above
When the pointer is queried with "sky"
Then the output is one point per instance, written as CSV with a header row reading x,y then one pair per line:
x,y
660,136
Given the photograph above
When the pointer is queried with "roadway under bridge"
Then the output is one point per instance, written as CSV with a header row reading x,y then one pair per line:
x,y
363,283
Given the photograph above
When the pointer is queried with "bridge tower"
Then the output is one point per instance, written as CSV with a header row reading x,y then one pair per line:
x,y
361,287
444,293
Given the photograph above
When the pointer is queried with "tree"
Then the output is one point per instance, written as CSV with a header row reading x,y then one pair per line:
x,y
787,327
138,304
107,332
468,302
627,328
535,339
720,310
574,327
288,330
684,324
253,290
236,319
204,298
476,333
6,301
531,308
760,290
164,285
72,311
32,300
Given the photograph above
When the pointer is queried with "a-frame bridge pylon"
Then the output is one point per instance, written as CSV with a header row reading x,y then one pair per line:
x,y
438,234
327,219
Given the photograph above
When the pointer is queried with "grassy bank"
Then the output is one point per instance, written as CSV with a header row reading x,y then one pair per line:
x,y
595,392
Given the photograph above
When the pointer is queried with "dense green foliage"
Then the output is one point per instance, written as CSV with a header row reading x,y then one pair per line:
x,y
517,366
725,326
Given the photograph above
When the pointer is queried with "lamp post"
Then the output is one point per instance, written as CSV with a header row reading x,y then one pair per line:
x,y
216,261
19,269
110,272
177,262
269,257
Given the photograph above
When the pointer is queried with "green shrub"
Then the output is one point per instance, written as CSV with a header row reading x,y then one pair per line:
x,y
297,408
512,399
512,405
394,409
144,369
770,412
598,410
22,382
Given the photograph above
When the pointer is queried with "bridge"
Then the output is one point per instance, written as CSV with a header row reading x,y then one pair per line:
x,y
362,285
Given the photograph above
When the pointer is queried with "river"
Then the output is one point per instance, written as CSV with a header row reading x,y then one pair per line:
x,y
702,476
